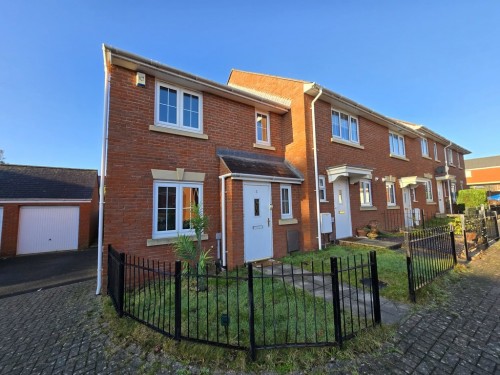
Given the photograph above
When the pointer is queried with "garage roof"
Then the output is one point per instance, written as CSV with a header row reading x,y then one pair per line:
x,y
18,182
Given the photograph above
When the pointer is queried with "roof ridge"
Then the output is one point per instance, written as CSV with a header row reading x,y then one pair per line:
x,y
47,167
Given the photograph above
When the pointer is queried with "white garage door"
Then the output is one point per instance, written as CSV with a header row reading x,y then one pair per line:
x,y
43,229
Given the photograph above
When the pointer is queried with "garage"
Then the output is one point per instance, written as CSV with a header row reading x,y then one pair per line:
x,y
49,228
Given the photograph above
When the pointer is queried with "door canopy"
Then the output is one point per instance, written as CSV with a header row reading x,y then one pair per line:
x,y
411,181
354,173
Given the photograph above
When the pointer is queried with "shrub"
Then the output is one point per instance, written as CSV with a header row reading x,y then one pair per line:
x,y
472,198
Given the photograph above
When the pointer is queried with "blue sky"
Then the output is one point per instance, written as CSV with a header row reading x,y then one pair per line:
x,y
435,63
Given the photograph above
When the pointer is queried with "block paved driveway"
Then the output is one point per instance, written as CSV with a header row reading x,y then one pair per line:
x,y
59,330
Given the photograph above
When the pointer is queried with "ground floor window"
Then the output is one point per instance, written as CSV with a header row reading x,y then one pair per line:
x,y
390,190
365,193
172,207
286,201
428,191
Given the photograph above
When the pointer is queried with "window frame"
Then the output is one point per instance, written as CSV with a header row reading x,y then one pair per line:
x,y
400,142
350,119
436,157
268,132
179,109
429,196
391,187
178,210
322,188
287,188
458,160
425,149
365,190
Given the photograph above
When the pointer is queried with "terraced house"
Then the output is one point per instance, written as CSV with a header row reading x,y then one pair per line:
x,y
277,164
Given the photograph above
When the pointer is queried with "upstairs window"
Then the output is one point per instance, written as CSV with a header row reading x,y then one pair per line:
x,y
179,108
425,147
458,160
262,129
322,189
390,190
365,193
449,152
436,152
397,144
345,127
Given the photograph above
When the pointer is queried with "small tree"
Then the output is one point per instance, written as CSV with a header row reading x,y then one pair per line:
x,y
472,198
191,252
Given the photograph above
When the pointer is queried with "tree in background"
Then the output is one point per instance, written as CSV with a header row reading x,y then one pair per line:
x,y
472,198
2,159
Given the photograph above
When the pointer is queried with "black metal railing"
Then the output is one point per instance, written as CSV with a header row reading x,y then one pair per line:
x,y
478,232
406,219
116,264
251,308
429,253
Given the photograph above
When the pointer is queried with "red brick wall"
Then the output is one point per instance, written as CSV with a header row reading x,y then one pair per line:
x,y
133,150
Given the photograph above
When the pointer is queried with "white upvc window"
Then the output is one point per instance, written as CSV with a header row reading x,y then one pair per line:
x,y
178,108
428,191
425,147
172,204
453,187
397,144
286,201
322,188
345,127
458,160
449,152
414,194
390,190
436,152
365,193
262,128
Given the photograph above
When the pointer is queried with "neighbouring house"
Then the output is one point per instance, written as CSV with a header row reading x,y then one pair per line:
x,y
483,173
46,209
275,162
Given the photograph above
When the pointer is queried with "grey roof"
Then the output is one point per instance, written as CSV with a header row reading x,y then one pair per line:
x,y
247,163
18,182
487,162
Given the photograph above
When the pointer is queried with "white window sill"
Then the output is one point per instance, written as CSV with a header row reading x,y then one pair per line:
x,y
368,208
399,157
426,157
347,143
287,221
171,240
323,201
393,207
431,203
184,133
264,147
437,161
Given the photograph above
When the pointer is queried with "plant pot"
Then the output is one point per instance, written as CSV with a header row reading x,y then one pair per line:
x,y
361,232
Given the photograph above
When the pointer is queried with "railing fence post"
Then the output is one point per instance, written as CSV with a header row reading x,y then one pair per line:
x,y
121,283
177,303
251,317
375,287
453,248
337,319
409,267
496,225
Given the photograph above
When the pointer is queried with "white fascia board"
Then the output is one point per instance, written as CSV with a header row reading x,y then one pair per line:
x,y
260,178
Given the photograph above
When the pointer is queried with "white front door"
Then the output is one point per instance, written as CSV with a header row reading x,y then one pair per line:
x,y
48,228
1,223
407,209
343,225
440,196
257,221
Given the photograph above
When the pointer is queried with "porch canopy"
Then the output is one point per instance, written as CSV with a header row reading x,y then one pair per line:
x,y
411,181
354,173
250,166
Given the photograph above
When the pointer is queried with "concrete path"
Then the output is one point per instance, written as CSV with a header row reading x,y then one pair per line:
x,y
391,312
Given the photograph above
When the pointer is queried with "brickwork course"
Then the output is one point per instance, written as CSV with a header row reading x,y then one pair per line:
x,y
60,331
